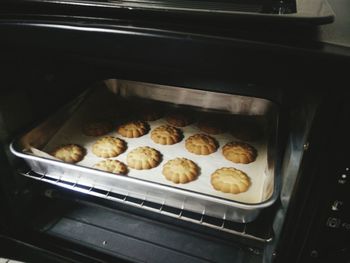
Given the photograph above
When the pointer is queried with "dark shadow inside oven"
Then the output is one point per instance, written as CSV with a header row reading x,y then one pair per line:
x,y
115,228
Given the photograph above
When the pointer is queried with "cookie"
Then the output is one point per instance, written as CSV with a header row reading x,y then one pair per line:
x,y
239,152
97,128
179,119
143,158
133,129
246,129
112,166
150,114
180,170
201,144
210,127
166,135
108,147
230,180
69,153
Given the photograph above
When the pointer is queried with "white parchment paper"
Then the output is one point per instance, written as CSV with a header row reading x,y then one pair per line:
x,y
71,132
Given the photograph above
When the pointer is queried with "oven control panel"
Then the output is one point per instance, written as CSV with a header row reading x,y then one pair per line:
x,y
336,222
330,235
339,207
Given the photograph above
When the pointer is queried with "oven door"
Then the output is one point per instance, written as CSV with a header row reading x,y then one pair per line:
x,y
46,215
42,73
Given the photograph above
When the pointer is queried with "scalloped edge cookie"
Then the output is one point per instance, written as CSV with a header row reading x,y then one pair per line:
x,y
112,166
180,170
230,180
143,158
178,119
108,147
97,128
166,135
210,127
69,153
201,144
133,129
239,152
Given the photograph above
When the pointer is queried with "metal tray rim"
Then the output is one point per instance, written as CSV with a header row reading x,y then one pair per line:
x,y
317,13
193,201
222,201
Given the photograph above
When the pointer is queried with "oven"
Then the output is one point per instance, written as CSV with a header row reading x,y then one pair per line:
x,y
65,64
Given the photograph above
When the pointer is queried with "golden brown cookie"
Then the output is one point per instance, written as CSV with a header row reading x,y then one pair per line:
x,y
179,119
133,129
210,127
143,158
166,135
69,153
201,144
230,180
97,128
246,129
150,114
108,147
112,166
180,170
239,152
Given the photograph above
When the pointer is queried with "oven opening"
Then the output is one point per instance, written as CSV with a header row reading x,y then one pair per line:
x,y
120,162
199,151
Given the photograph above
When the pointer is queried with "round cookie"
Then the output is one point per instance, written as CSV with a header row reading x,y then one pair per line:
x,y
150,114
178,119
108,147
133,129
166,135
201,144
143,158
239,152
210,127
97,128
69,153
112,166
246,129
230,180
180,170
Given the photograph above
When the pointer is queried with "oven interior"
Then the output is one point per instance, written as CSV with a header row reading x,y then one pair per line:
x,y
102,229
285,12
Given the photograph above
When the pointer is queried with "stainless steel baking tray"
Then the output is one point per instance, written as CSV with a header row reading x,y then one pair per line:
x,y
281,12
151,186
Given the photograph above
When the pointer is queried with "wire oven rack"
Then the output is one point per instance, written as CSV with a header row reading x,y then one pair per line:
x,y
246,230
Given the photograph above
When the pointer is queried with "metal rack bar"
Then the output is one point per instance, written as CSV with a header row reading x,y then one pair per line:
x,y
108,194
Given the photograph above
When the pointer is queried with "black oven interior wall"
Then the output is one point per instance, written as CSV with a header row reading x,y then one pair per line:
x,y
35,86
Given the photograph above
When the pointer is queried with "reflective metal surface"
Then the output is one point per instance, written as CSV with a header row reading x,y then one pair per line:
x,y
148,191
313,12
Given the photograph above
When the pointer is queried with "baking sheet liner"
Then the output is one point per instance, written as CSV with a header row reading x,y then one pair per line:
x,y
71,132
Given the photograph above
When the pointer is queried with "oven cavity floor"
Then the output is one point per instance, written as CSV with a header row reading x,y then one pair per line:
x,y
138,235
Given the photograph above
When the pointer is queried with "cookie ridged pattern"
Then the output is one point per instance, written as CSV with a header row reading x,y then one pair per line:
x,y
69,153
143,158
180,170
201,144
108,147
112,166
166,135
230,180
133,129
239,152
